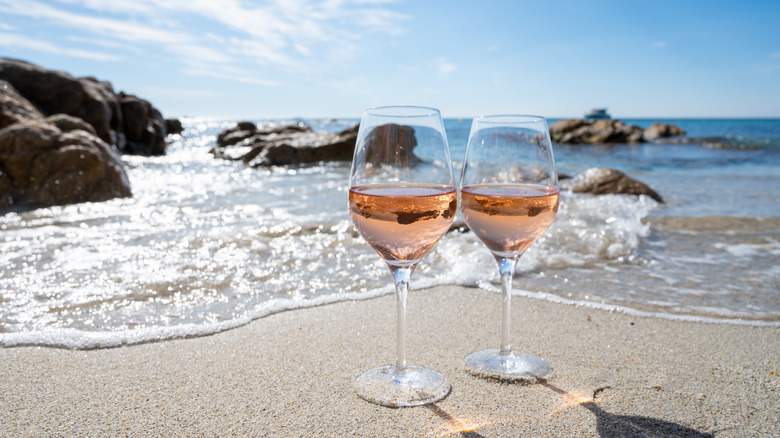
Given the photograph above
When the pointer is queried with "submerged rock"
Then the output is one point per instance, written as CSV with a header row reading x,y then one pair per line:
x,y
579,131
601,181
56,161
283,145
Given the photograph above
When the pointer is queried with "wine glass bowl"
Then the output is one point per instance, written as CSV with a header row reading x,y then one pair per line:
x,y
402,200
508,198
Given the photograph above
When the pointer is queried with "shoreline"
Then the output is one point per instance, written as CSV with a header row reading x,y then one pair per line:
x,y
290,374
720,230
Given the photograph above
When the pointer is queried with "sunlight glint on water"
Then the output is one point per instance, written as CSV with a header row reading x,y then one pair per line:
x,y
207,244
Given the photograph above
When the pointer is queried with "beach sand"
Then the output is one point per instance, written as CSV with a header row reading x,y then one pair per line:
x,y
290,374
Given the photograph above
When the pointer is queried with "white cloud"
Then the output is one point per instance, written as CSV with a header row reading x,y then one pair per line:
x,y
660,44
444,67
293,35
119,29
774,55
179,93
102,42
303,50
230,73
196,54
260,52
23,42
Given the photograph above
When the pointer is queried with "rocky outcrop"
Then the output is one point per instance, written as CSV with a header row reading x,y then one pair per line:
x,y
660,130
283,145
127,122
55,161
143,126
253,134
579,131
14,107
173,126
601,181
391,143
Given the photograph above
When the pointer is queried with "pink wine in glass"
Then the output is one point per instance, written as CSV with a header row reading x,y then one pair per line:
x,y
402,222
508,218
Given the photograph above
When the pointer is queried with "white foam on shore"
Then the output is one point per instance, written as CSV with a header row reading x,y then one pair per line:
x,y
630,311
86,340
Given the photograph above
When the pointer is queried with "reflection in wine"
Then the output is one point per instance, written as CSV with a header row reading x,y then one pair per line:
x,y
402,223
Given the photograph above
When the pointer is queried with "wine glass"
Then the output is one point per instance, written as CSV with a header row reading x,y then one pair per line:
x,y
508,198
402,199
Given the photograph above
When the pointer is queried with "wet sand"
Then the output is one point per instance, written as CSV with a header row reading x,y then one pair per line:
x,y
290,374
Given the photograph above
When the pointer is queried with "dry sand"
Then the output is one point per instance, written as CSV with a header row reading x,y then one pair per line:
x,y
290,374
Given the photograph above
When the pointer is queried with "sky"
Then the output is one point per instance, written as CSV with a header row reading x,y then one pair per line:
x,y
244,59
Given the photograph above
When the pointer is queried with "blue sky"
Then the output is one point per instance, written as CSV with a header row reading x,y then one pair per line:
x,y
333,58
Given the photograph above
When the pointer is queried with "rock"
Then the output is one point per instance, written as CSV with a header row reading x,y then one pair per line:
x,y
57,161
396,144
660,130
56,92
143,126
245,130
14,107
173,126
578,131
600,181
283,145
562,127
94,101
68,123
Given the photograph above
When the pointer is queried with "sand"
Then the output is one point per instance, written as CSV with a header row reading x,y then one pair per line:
x,y
290,374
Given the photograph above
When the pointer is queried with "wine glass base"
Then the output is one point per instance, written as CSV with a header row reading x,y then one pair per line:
x,y
412,386
512,366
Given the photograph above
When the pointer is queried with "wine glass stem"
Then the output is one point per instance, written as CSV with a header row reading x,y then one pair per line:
x,y
506,267
401,277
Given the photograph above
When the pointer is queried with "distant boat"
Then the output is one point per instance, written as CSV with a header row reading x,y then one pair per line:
x,y
598,114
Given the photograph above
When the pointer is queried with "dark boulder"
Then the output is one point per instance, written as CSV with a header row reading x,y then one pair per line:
x,y
594,132
601,181
245,130
391,143
56,92
562,127
173,126
579,131
66,123
14,107
57,161
110,114
283,145
144,127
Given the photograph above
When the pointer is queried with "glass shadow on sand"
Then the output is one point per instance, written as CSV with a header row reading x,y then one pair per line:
x,y
608,425
631,426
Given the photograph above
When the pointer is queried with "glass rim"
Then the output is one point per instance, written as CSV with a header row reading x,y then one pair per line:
x,y
413,111
510,118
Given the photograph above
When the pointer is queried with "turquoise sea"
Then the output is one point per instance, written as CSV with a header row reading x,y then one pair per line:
x,y
205,244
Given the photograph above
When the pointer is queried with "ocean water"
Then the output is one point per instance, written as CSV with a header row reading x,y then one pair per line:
x,y
205,245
